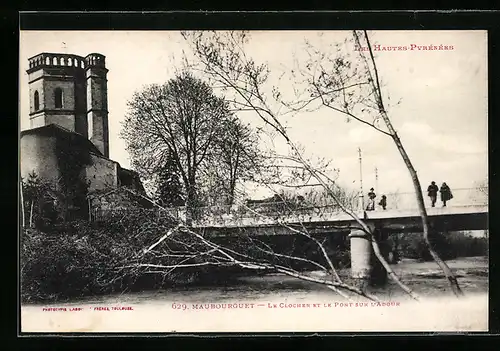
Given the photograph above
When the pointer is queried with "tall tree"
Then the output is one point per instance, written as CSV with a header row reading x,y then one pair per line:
x,y
347,81
239,157
181,120
169,189
222,55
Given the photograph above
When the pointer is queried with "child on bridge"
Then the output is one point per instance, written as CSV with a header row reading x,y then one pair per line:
x,y
371,200
383,202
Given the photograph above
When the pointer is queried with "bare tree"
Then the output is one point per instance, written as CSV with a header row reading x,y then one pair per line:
x,y
396,199
482,186
348,82
222,56
188,248
239,157
182,120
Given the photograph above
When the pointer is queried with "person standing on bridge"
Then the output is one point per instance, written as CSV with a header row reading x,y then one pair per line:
x,y
371,200
383,202
446,194
432,192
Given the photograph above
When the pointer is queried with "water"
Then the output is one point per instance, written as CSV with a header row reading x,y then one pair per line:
x,y
260,304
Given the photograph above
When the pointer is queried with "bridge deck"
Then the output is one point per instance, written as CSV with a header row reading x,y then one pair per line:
x,y
395,217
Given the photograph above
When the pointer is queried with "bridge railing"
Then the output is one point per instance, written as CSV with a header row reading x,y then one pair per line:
x,y
461,197
401,201
243,214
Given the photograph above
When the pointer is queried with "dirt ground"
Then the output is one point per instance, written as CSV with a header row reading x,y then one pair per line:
x,y
269,295
424,278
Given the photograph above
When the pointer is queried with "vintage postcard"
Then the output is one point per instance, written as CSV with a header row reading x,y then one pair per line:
x,y
253,181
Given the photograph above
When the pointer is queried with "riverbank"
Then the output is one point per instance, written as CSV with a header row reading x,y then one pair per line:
x,y
279,303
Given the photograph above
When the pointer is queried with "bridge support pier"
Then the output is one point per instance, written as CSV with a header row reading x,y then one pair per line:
x,y
361,255
366,269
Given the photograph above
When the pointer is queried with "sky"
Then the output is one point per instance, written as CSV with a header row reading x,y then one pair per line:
x,y
442,118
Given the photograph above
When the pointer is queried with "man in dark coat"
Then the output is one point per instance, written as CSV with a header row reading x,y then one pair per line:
x,y
432,192
371,200
445,193
383,202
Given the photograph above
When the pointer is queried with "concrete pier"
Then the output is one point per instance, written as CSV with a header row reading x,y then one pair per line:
x,y
361,255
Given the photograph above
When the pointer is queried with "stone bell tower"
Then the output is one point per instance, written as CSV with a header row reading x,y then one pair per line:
x,y
57,91
97,101
70,91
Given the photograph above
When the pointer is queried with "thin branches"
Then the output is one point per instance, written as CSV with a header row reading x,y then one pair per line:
x,y
218,56
416,182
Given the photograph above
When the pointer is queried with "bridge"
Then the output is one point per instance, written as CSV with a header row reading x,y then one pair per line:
x,y
466,211
445,219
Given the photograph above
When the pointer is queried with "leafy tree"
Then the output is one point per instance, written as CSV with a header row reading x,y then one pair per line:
x,y
222,56
43,204
170,192
239,157
182,120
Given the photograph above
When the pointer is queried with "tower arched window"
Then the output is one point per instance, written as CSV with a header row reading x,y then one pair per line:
x,y
36,99
58,97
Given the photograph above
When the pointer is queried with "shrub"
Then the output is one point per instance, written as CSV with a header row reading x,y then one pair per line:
x,y
78,259
447,245
81,258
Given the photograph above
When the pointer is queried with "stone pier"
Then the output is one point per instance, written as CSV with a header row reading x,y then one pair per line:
x,y
366,269
361,255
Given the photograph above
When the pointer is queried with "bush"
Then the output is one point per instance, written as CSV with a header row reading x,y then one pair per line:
x,y
447,245
79,259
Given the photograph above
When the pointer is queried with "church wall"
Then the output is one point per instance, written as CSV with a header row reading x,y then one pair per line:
x,y
37,86
64,120
35,76
102,173
37,120
62,157
64,116
68,88
81,124
97,89
130,179
98,131
38,153
97,106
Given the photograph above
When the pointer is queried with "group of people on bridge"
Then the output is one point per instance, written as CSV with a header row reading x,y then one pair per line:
x,y
445,191
432,192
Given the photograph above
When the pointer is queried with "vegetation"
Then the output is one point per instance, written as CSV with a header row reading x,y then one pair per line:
x,y
44,205
64,259
190,144
183,125
170,192
81,258
335,76
448,245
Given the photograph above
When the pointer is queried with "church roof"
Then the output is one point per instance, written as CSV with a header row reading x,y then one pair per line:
x,y
130,179
75,139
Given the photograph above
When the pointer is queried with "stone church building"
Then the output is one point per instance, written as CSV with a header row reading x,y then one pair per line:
x,y
68,140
